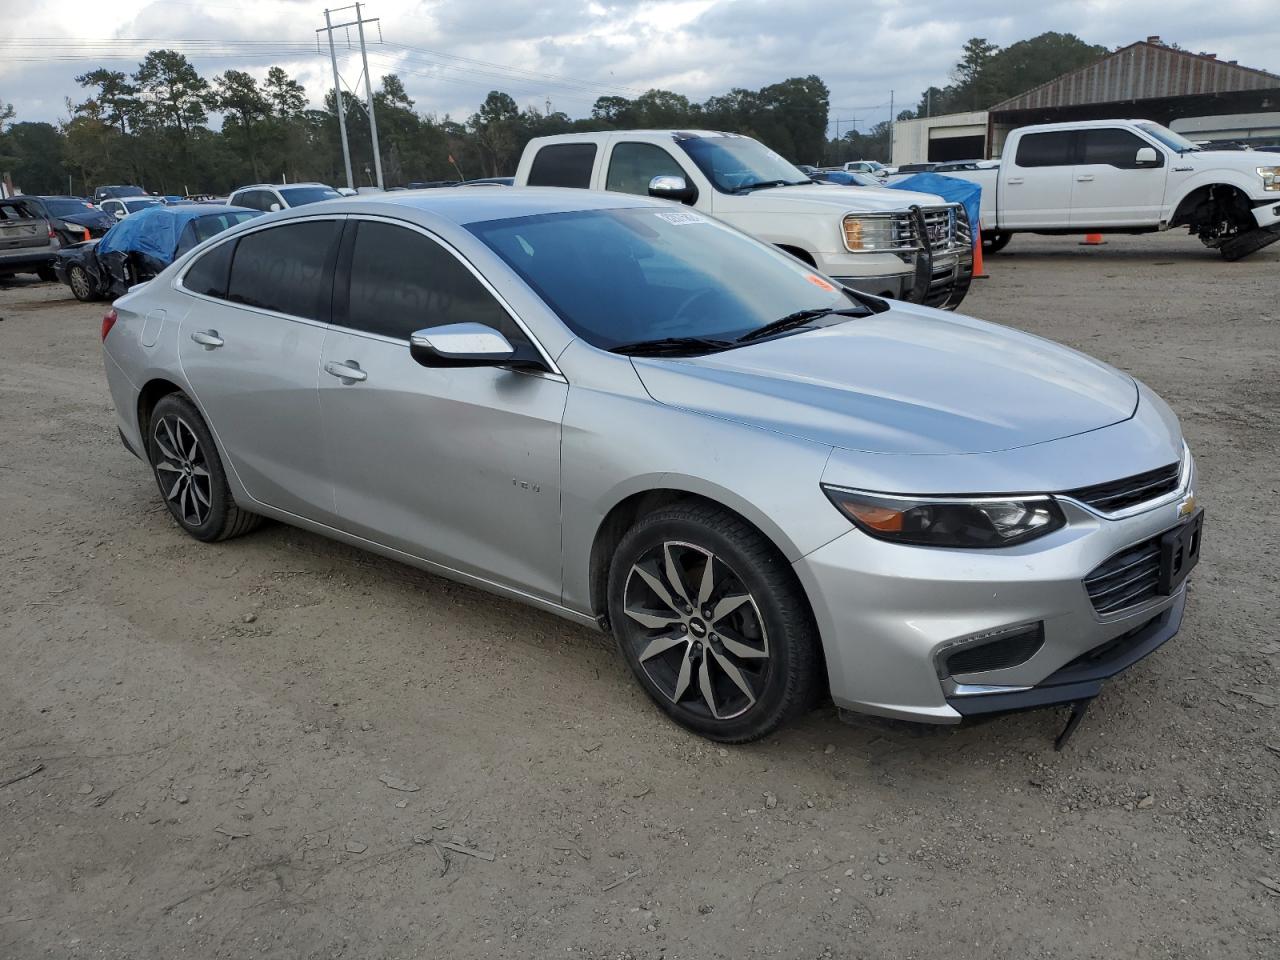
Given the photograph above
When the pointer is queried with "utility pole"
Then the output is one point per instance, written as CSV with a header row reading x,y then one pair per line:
x,y
368,96
337,102
891,121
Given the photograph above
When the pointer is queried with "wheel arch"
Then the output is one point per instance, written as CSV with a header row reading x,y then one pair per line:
x,y
152,392
1208,193
804,256
623,515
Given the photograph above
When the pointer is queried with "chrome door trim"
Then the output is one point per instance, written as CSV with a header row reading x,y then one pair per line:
x,y
552,367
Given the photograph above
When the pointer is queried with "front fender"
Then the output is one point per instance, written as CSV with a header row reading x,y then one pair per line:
x,y
1250,186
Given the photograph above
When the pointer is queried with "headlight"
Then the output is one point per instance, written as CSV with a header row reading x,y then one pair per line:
x,y
1270,177
870,232
948,522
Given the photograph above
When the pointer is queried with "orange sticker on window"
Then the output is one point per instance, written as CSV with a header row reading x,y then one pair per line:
x,y
817,281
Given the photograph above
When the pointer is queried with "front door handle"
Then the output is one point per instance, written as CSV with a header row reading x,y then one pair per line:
x,y
348,372
1014,180
1084,179
208,339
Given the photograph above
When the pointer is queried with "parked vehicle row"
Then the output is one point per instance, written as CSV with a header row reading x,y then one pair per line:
x,y
764,483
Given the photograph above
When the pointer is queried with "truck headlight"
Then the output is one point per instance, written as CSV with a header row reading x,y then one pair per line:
x,y
864,232
949,521
1270,177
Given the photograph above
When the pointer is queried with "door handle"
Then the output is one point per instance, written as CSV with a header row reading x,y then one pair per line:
x,y
1014,180
1084,179
348,372
208,339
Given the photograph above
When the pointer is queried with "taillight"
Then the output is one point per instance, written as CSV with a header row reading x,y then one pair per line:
x,y
108,321
52,235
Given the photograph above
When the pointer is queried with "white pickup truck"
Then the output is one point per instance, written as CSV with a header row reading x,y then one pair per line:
x,y
893,243
1128,176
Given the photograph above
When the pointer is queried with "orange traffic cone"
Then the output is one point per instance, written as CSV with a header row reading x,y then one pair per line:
x,y
979,271
1092,240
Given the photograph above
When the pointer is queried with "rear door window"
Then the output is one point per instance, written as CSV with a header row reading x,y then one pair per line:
x,y
208,275
402,281
284,269
1053,149
1118,148
563,165
633,165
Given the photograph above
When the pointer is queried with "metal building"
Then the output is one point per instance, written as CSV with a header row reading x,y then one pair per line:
x,y
1147,80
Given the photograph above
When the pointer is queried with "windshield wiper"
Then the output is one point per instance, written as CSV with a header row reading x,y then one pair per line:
x,y
765,184
672,346
798,319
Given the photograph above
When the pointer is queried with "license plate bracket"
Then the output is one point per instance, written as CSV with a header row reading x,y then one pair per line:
x,y
1180,552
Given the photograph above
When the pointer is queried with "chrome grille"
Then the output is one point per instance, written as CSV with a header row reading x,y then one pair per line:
x,y
939,227
1130,491
1126,579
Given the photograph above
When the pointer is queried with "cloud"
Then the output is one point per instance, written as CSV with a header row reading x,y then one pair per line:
x,y
573,51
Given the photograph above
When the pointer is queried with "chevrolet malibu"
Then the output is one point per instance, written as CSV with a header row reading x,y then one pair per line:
x,y
615,409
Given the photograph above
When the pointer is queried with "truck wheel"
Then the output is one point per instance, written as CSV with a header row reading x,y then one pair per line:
x,y
993,241
1243,244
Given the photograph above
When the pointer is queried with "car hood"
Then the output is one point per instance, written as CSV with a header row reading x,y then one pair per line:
x,y
90,218
838,198
907,381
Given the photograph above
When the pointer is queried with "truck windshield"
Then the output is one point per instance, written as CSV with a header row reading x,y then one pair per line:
x,y
738,164
636,275
1174,141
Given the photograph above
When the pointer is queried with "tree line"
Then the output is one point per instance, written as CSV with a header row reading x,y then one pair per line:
x,y
153,126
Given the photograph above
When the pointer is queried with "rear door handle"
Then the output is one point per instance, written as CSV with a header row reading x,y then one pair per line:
x,y
1014,180
348,372
1084,179
208,339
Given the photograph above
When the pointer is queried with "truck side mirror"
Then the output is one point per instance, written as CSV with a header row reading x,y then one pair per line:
x,y
672,188
1147,157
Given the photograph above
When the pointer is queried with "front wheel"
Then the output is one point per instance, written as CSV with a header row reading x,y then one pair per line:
x,y
189,473
82,286
713,623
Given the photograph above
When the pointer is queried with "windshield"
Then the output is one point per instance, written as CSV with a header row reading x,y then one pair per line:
x,y
625,276
297,196
737,163
140,204
1174,141
61,207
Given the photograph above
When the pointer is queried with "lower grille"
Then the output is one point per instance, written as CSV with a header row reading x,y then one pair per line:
x,y
1009,650
1126,579
1130,491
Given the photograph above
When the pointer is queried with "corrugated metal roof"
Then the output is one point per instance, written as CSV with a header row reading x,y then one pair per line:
x,y
1142,71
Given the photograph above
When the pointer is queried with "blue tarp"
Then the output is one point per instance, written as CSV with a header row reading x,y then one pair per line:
x,y
154,231
952,189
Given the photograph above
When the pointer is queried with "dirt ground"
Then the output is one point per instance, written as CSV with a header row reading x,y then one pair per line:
x,y
225,734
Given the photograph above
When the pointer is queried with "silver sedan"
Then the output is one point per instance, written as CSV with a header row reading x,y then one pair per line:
x,y
615,409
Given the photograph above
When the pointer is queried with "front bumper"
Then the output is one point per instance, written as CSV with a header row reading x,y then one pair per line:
x,y
1267,213
888,613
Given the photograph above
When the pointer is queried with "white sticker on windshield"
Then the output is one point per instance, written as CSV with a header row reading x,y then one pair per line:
x,y
678,217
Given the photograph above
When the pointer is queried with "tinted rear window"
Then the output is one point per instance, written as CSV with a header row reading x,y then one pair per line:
x,y
208,275
563,165
1054,149
283,268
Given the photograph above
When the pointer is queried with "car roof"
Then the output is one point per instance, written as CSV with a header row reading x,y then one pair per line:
x,y
278,186
674,133
463,205
1077,124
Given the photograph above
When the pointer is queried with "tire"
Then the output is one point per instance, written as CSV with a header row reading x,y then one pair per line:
x,y
189,474
993,241
1243,244
750,638
82,285
46,274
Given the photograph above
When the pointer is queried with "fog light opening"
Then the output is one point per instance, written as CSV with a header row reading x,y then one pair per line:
x,y
992,650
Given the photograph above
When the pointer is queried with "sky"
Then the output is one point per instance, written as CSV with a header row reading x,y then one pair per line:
x,y
450,53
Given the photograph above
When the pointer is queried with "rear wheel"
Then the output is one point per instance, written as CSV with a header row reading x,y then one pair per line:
x,y
993,241
82,286
712,622
189,473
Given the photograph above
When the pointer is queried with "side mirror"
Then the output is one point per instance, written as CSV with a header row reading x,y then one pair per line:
x,y
119,214
275,207
672,188
460,345
1147,157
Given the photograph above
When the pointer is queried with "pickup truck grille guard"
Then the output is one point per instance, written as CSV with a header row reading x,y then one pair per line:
x,y
944,256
